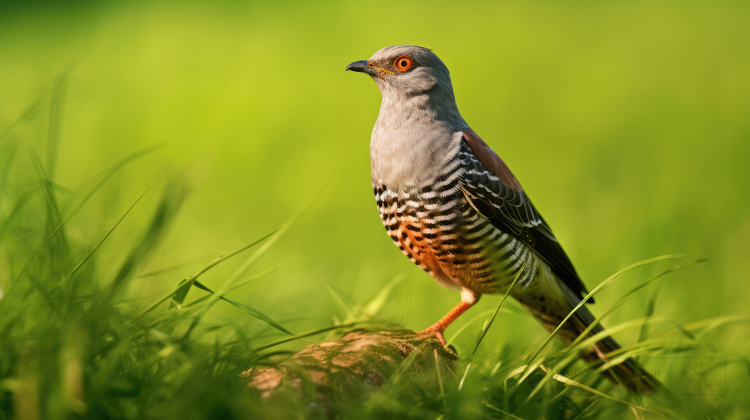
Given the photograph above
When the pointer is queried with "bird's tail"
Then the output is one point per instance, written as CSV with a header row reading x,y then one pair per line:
x,y
629,374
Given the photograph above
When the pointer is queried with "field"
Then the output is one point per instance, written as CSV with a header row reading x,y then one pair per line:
x,y
140,142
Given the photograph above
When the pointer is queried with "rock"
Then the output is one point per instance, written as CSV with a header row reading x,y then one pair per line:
x,y
361,361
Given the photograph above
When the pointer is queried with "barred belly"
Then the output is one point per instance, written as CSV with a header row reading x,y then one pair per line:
x,y
436,227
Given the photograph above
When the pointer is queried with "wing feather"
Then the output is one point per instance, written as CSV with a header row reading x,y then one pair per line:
x,y
491,182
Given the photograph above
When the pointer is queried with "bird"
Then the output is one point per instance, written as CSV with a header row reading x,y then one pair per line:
x,y
456,210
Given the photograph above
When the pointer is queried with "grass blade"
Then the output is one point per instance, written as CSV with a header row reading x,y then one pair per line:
x,y
601,286
25,117
166,210
253,312
90,254
489,324
471,321
502,412
376,303
186,263
344,300
184,287
623,299
309,333
586,409
492,318
570,382
194,277
242,269
114,169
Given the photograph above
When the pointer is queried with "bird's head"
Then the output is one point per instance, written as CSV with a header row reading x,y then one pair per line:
x,y
405,71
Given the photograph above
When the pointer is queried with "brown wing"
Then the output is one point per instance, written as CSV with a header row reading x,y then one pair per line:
x,y
490,183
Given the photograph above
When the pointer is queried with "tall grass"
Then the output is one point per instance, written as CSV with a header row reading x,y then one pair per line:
x,y
123,290
79,339
81,342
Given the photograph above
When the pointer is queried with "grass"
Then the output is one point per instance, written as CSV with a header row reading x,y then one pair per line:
x,y
78,341
147,152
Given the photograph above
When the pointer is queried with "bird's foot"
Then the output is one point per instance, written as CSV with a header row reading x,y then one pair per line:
x,y
436,331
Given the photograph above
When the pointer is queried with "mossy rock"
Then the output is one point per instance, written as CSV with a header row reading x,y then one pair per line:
x,y
324,375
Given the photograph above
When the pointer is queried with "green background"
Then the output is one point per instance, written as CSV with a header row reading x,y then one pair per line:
x,y
627,122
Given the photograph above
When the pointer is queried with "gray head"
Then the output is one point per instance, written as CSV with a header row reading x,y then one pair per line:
x,y
408,73
414,133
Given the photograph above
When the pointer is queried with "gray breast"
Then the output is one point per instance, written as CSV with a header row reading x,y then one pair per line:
x,y
410,147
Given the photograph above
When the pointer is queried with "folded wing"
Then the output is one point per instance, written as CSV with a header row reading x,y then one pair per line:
x,y
496,193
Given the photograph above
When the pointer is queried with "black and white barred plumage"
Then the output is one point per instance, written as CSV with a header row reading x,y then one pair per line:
x,y
438,219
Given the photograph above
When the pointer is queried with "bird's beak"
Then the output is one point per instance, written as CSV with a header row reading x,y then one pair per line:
x,y
362,67
365,66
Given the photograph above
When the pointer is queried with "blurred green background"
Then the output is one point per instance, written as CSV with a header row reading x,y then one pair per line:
x,y
627,122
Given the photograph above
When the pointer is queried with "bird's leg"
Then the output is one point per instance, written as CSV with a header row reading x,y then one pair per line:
x,y
468,299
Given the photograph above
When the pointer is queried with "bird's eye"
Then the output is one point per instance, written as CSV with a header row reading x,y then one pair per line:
x,y
403,63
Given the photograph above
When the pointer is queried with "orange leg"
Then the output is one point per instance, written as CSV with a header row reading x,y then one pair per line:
x,y
437,329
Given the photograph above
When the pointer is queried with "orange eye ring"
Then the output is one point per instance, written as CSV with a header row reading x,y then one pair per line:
x,y
403,63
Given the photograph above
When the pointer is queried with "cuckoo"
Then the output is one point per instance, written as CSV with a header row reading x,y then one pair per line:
x,y
455,209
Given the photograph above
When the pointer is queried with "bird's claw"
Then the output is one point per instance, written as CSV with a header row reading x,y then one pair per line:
x,y
435,331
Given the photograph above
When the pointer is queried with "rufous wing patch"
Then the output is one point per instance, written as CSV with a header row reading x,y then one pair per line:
x,y
490,159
